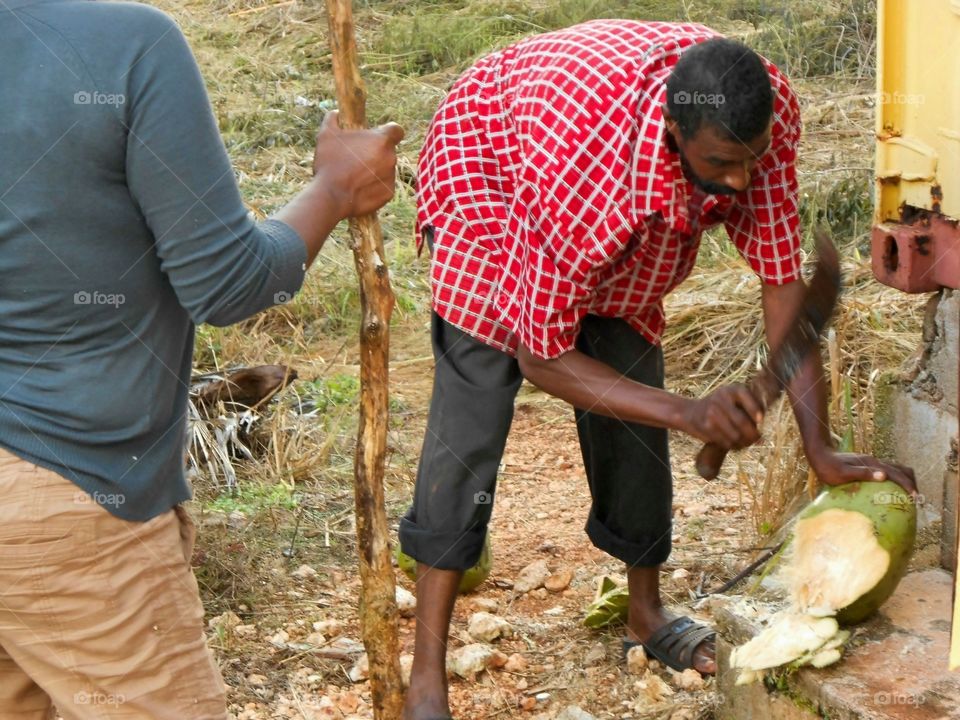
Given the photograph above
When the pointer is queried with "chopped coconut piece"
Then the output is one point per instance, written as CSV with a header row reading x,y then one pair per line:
x,y
825,657
789,637
836,559
748,676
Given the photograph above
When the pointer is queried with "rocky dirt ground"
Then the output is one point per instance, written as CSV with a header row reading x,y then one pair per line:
x,y
303,663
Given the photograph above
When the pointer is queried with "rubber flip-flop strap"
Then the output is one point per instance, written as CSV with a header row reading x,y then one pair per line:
x,y
674,643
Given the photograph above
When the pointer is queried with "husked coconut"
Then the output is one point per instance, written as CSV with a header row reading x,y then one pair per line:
x,y
894,517
825,657
849,549
836,560
829,653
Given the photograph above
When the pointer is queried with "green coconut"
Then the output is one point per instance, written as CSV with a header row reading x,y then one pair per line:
x,y
851,548
471,578
848,550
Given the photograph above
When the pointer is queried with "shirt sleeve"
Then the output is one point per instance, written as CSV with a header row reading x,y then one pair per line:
x,y
222,264
570,216
764,221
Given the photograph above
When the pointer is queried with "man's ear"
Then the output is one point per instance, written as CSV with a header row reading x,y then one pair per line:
x,y
672,126
668,119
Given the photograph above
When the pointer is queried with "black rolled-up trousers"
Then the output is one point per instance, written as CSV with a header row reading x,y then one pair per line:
x,y
627,465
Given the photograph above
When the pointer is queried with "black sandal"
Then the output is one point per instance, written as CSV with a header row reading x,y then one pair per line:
x,y
674,643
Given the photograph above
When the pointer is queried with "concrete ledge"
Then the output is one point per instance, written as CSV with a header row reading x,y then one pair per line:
x,y
894,668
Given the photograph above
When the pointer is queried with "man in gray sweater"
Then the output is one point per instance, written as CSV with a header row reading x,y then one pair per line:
x,y
121,228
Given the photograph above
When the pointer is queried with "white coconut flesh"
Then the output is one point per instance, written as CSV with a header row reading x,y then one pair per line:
x,y
835,560
790,636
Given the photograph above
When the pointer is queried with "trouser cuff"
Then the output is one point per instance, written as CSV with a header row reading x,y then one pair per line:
x,y
444,551
649,552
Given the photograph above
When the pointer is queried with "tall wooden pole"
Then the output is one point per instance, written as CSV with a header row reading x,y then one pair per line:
x,y
378,609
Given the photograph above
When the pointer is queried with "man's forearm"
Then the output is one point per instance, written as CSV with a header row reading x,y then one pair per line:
x,y
314,212
808,397
807,391
591,385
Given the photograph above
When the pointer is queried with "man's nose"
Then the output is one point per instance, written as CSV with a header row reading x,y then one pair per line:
x,y
739,179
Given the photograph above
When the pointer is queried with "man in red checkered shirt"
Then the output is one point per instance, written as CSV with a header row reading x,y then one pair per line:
x,y
563,188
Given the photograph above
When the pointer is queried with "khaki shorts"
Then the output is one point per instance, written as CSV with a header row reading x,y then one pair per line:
x,y
98,616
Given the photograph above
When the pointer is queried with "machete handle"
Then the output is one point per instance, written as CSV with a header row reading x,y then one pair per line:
x,y
710,460
766,389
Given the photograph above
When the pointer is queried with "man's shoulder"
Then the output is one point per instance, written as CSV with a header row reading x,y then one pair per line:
x,y
88,30
121,15
88,22
786,106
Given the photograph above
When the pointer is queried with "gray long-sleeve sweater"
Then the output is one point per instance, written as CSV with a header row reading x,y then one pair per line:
x,y
121,227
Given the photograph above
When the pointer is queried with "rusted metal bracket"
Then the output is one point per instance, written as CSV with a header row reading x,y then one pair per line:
x,y
920,254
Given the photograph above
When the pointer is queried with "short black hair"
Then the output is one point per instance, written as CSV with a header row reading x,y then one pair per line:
x,y
723,84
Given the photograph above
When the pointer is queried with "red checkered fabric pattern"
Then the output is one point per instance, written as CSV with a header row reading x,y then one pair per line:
x,y
553,193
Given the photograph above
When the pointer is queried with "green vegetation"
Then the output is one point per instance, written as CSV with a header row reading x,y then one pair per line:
x,y
333,392
251,498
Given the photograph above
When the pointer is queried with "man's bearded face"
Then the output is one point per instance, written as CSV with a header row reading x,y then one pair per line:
x,y
715,163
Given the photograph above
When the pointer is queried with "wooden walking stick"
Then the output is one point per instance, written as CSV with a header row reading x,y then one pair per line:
x,y
378,609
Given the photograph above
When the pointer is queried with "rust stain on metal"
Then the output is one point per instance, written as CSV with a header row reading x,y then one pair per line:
x,y
936,195
889,131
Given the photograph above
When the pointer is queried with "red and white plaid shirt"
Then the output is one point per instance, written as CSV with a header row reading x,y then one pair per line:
x,y
552,192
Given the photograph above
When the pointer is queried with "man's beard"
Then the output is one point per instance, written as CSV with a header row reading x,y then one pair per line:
x,y
711,188
708,187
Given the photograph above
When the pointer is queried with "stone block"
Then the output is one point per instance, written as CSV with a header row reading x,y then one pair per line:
x,y
921,437
894,667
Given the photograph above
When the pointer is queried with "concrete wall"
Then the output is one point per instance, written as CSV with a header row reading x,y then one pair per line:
x,y
951,513
922,424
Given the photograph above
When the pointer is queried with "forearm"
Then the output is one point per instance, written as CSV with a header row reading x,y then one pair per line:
x,y
314,212
808,397
589,384
807,389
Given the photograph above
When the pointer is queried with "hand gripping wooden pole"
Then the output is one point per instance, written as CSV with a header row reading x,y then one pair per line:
x,y
378,609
